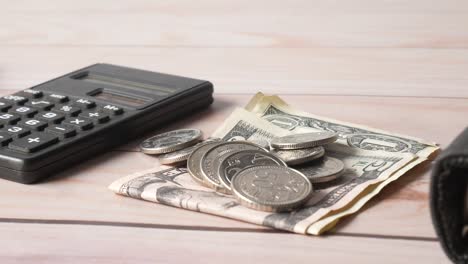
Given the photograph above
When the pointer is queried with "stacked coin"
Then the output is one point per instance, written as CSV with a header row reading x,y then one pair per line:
x,y
305,152
257,176
173,147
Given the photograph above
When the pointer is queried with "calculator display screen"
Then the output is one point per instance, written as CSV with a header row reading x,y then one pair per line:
x,y
120,99
127,84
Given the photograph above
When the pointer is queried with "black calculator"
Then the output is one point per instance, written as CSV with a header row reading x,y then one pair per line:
x,y
66,120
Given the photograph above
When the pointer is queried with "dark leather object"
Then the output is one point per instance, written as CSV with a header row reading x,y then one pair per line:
x,y
448,187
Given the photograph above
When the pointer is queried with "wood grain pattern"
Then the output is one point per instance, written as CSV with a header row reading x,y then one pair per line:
x,y
325,71
299,23
86,244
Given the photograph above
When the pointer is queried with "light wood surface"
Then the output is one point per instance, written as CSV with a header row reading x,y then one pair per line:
x,y
242,23
322,71
90,244
395,65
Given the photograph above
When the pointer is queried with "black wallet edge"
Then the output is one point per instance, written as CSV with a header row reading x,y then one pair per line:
x,y
447,198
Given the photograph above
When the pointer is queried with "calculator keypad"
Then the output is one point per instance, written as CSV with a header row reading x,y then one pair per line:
x,y
8,118
33,142
79,123
68,109
16,131
112,109
51,117
57,98
61,131
23,111
40,104
96,116
5,105
33,124
29,93
5,138
84,103
15,99
31,120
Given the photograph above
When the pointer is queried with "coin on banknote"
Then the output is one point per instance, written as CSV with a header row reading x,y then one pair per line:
x,y
210,161
194,159
262,143
304,140
271,188
181,155
299,156
234,162
171,141
323,170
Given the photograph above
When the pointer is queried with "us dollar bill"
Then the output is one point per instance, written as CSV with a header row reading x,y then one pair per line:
x,y
276,111
279,113
175,187
244,125
364,171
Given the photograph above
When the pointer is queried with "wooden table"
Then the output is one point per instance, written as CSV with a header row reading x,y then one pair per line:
x,y
401,66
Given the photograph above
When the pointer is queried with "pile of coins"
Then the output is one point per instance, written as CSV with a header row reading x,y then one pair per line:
x,y
257,173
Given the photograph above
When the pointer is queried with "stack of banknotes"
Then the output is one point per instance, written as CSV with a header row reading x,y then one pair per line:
x,y
372,159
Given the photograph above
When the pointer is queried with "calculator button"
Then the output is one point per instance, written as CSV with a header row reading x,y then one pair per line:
x,y
33,124
40,104
112,109
50,117
5,138
58,98
79,122
9,118
33,142
23,111
16,131
61,131
15,98
84,103
68,109
5,105
95,116
29,93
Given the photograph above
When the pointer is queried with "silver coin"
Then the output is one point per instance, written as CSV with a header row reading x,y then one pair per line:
x,y
299,156
210,161
304,140
171,141
262,143
234,162
323,170
180,156
193,161
271,188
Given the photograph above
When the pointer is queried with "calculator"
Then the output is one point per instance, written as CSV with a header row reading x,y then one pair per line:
x,y
64,121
